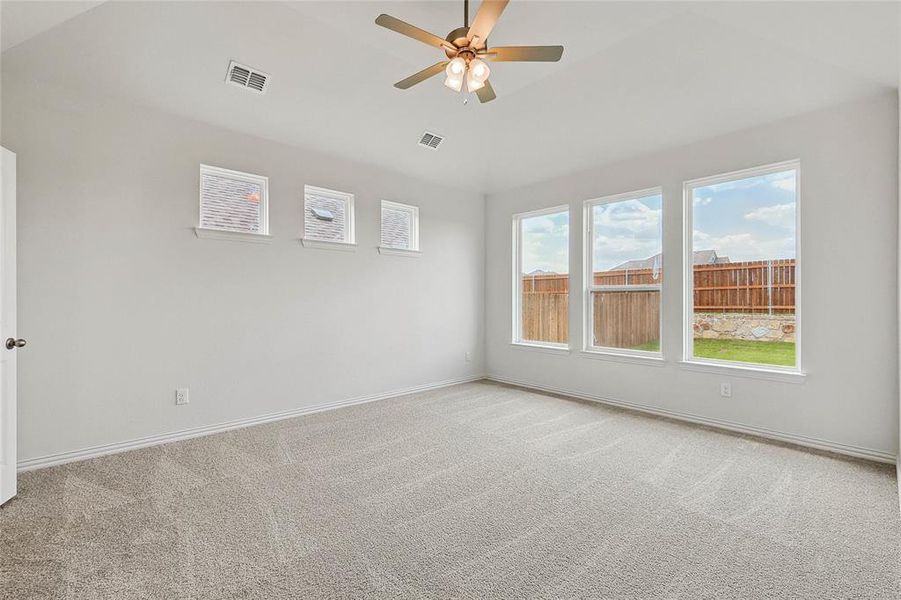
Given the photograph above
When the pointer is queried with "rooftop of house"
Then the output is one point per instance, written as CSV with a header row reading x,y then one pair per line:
x,y
701,257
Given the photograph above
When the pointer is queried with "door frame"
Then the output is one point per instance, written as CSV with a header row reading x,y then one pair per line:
x,y
7,324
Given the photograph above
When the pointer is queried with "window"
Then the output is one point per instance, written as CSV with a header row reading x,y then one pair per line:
x,y
233,201
742,268
624,273
541,278
328,216
400,226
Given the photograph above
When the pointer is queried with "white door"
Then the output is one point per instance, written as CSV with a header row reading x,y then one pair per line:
x,y
8,340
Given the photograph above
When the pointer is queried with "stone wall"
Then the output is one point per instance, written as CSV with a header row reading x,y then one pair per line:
x,y
758,327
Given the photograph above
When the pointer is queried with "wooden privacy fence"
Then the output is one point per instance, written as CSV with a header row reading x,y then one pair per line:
x,y
760,286
625,319
545,307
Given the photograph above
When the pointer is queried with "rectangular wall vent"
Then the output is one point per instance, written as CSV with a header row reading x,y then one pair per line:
x,y
247,77
431,140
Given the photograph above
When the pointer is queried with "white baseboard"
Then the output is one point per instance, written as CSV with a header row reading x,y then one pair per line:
x,y
154,440
791,438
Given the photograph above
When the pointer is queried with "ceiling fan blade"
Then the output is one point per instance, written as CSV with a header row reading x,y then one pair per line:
x,y
421,76
486,93
524,54
489,11
404,28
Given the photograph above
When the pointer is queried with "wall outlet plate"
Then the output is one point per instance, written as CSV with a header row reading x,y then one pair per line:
x,y
468,356
181,396
726,390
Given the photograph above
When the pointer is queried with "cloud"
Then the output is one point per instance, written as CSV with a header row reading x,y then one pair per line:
x,y
702,200
538,225
779,215
631,216
785,183
740,247
624,231
545,243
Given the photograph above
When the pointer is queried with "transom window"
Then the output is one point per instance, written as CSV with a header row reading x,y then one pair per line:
x,y
233,201
328,215
400,226
624,272
742,267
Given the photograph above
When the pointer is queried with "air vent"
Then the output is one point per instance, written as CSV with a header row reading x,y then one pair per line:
x,y
431,140
247,77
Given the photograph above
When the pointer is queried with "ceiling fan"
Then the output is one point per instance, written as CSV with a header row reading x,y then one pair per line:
x,y
467,50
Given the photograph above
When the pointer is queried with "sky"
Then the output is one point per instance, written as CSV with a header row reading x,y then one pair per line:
x,y
626,230
545,243
747,219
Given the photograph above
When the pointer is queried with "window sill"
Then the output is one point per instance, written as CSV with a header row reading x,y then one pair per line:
x,y
546,348
639,359
324,245
739,370
232,236
400,252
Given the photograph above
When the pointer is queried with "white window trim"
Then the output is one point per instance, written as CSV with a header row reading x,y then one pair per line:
x,y
588,348
399,252
754,370
627,356
232,236
741,369
349,231
517,280
414,228
328,245
260,180
545,347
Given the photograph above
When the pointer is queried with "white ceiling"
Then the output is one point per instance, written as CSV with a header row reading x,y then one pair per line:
x,y
636,77
20,21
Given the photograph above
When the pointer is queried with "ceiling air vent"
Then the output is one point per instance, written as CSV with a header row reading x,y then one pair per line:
x,y
431,140
246,77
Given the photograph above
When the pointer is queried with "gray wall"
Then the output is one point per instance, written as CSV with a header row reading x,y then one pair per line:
x,y
121,303
849,225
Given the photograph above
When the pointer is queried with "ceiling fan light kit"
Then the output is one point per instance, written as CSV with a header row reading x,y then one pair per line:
x,y
467,49
455,70
476,75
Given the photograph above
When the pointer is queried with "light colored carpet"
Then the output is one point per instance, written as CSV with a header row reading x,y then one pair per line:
x,y
474,491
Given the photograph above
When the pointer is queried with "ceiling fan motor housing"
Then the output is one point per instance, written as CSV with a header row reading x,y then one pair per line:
x,y
459,38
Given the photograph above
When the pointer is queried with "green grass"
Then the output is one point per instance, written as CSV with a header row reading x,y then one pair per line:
x,y
649,346
768,353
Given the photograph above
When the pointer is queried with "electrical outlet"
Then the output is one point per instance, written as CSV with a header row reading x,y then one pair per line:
x,y
468,356
726,390
181,396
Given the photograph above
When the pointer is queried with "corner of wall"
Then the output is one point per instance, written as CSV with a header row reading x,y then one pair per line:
x,y
898,299
484,348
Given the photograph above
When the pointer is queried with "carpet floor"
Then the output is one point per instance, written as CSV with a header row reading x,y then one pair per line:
x,y
473,491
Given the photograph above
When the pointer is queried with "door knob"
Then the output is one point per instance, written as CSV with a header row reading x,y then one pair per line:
x,y
14,343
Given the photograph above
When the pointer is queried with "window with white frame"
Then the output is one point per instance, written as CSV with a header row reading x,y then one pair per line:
x,y
328,215
742,268
541,277
233,201
624,273
400,226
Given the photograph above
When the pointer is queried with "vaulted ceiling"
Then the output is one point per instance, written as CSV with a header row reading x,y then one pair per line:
x,y
635,77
